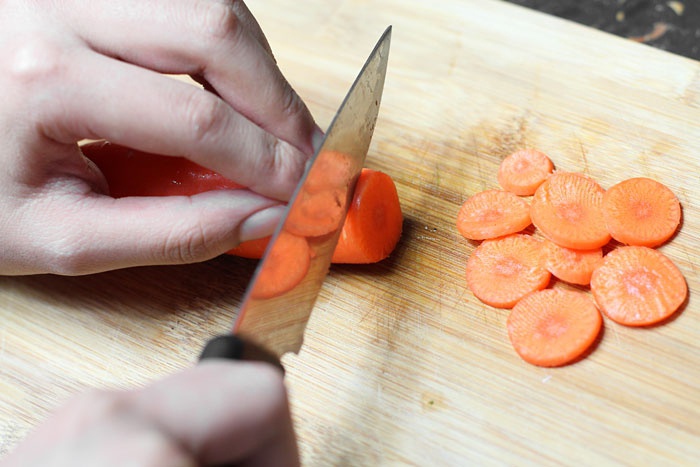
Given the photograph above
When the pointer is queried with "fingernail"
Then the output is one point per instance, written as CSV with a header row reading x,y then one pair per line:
x,y
317,138
261,224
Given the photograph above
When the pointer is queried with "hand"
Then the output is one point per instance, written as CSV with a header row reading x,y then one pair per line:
x,y
72,70
217,413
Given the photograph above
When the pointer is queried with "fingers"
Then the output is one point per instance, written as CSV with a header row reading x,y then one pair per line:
x,y
225,413
135,107
70,234
217,40
218,413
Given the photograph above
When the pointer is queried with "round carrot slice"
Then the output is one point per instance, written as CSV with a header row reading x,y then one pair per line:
x,y
641,211
524,171
638,286
503,270
568,209
569,265
553,327
287,266
491,214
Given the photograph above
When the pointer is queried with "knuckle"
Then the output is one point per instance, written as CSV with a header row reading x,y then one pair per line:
x,y
35,60
97,404
292,104
205,114
218,21
188,245
65,254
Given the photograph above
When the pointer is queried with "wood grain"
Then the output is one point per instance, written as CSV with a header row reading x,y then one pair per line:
x,y
401,364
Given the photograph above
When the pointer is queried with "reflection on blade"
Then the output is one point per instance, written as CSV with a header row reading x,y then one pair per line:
x,y
284,288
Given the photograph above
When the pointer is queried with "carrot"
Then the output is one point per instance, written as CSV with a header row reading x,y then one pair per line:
x,y
331,171
503,270
553,327
316,213
641,211
572,266
568,209
372,227
135,173
491,214
252,249
287,266
638,286
321,203
373,223
522,172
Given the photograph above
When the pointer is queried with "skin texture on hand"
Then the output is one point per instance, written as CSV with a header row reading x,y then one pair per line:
x,y
218,413
73,71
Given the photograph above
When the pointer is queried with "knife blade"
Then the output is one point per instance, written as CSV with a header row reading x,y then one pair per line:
x,y
277,305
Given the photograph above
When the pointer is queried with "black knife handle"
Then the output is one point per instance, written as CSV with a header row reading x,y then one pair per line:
x,y
232,347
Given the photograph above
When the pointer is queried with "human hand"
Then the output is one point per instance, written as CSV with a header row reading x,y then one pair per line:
x,y
72,70
219,412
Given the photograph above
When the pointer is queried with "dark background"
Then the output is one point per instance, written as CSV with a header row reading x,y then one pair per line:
x,y
672,25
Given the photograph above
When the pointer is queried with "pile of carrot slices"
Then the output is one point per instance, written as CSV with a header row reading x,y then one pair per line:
x,y
574,218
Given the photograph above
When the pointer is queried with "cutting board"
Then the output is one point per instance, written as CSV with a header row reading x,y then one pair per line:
x,y
401,364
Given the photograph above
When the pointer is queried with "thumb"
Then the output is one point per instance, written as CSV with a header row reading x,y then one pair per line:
x,y
96,233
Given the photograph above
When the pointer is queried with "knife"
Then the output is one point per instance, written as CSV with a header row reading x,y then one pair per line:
x,y
278,301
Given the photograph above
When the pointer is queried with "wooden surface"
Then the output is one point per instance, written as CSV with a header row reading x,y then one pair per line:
x,y
402,365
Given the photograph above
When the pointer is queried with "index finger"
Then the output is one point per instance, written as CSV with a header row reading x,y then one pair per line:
x,y
217,40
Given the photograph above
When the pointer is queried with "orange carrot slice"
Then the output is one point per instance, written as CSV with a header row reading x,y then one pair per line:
x,y
503,270
568,209
374,221
553,327
288,264
491,214
524,171
641,211
638,286
572,266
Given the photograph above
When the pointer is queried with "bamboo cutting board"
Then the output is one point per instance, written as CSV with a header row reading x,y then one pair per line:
x,y
401,364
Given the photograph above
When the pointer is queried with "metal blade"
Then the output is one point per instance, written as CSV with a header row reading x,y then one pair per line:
x,y
277,323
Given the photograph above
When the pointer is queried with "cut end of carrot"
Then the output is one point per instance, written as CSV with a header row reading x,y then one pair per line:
x,y
288,263
374,221
503,270
522,172
638,286
553,327
641,211
491,214
568,209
